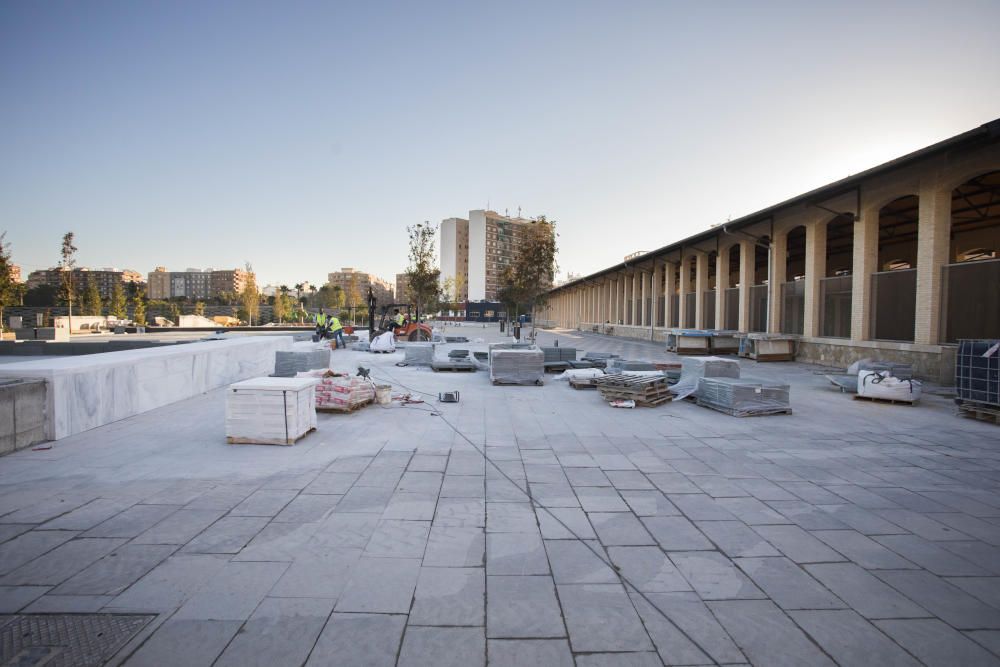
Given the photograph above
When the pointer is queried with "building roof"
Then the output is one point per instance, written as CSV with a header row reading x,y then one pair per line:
x,y
986,133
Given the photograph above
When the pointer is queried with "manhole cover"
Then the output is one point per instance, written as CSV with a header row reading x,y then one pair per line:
x,y
65,640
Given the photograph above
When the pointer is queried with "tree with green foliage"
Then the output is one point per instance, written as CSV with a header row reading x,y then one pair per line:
x,y
139,307
422,275
9,290
250,302
527,280
199,308
282,308
68,265
92,304
118,306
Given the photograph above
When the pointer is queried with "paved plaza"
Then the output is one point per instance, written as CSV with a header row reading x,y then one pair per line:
x,y
522,526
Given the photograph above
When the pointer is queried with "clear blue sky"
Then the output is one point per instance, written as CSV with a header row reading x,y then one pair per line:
x,y
303,136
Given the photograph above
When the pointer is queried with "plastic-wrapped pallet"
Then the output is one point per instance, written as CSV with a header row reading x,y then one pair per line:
x,y
341,393
419,354
626,365
693,368
743,397
288,363
519,366
270,411
882,385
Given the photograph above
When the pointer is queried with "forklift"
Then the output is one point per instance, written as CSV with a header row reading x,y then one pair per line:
x,y
412,330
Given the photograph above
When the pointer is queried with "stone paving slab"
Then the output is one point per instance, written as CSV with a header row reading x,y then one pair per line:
x,y
673,535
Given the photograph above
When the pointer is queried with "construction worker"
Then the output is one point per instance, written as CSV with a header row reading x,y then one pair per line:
x,y
337,331
320,323
399,319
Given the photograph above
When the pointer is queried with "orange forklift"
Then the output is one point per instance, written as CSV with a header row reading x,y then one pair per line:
x,y
411,330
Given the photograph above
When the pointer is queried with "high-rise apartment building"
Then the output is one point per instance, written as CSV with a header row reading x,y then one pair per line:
x,y
105,279
355,284
196,284
475,251
402,288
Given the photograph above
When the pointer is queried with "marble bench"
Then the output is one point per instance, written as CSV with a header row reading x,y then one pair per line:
x,y
88,391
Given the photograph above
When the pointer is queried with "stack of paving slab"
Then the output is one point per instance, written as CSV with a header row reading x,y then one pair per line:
x,y
558,358
743,397
516,366
270,410
419,354
695,368
288,363
625,365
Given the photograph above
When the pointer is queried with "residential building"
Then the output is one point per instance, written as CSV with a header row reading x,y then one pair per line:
x,y
474,252
454,255
402,288
105,278
355,284
15,273
196,283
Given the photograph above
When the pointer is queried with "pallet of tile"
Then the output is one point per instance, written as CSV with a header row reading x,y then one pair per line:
x,y
743,397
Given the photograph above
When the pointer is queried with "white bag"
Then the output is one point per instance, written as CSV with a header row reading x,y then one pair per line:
x,y
383,343
879,384
580,374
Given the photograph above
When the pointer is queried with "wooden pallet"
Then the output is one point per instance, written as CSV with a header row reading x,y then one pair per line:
x,y
345,409
980,411
887,401
453,369
647,391
763,412
235,440
583,383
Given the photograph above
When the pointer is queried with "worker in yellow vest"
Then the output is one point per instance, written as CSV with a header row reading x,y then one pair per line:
x,y
320,323
337,331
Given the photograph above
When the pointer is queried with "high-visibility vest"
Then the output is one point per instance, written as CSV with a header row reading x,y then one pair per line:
x,y
335,324
400,319
321,319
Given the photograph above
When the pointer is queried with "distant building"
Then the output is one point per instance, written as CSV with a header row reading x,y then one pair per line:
x,y
474,252
105,279
402,288
195,283
349,279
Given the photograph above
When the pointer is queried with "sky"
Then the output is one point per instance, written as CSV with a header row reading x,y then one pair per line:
x,y
302,137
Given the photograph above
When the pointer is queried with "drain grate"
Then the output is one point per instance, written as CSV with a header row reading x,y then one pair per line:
x,y
66,640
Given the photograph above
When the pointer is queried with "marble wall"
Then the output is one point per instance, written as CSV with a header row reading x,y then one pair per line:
x,y
85,392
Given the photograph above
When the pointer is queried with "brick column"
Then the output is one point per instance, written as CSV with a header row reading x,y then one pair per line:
x,y
668,293
682,291
815,270
933,252
643,292
779,261
655,293
700,287
865,264
721,285
746,281
617,313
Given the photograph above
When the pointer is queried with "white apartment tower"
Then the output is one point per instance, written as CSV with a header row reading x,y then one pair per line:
x,y
475,251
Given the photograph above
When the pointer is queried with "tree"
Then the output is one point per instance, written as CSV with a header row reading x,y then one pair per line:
x,y
8,288
528,279
353,292
199,308
92,304
67,264
250,301
118,305
422,275
139,307
282,305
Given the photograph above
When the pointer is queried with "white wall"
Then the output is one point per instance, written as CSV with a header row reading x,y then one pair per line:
x,y
477,255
